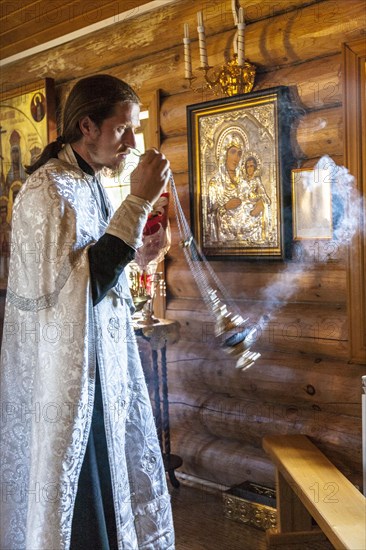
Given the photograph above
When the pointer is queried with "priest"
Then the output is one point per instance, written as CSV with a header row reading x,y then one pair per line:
x,y
81,466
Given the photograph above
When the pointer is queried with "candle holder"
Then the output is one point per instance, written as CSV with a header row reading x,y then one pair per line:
x,y
229,79
138,288
236,76
155,285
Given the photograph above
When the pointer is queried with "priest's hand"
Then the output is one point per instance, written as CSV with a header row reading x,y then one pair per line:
x,y
151,176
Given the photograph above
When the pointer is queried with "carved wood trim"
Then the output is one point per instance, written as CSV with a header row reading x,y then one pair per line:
x,y
354,109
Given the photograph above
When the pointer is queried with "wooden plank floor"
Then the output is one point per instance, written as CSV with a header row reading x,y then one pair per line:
x,y
200,523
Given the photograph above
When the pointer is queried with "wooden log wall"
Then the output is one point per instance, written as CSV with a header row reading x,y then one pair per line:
x,y
303,382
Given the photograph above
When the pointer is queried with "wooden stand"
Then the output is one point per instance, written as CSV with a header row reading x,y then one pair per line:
x,y
159,335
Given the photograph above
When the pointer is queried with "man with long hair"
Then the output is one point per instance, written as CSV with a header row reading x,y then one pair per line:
x,y
81,466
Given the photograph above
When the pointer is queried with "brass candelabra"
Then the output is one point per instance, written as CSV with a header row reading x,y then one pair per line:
x,y
229,79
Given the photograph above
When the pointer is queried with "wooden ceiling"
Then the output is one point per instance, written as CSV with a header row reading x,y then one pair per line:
x,y
26,24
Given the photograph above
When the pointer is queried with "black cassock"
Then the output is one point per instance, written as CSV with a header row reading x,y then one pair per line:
x,y
94,522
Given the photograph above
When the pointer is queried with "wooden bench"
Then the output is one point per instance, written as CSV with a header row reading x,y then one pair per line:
x,y
310,486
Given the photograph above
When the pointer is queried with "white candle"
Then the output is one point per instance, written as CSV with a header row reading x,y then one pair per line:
x,y
241,38
233,9
202,40
187,53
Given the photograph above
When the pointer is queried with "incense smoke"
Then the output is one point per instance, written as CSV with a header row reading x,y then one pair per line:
x,y
345,210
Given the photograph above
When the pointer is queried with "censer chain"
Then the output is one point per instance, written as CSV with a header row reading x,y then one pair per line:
x,y
229,327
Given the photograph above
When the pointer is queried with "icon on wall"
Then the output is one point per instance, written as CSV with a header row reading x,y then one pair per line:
x,y
27,124
240,154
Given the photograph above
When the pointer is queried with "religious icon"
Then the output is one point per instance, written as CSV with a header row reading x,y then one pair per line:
x,y
239,176
312,203
27,124
237,201
16,171
38,108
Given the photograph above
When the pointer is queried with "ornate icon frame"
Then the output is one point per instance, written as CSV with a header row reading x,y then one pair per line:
x,y
260,124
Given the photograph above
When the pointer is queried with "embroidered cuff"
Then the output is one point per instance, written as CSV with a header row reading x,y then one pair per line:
x,y
129,220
